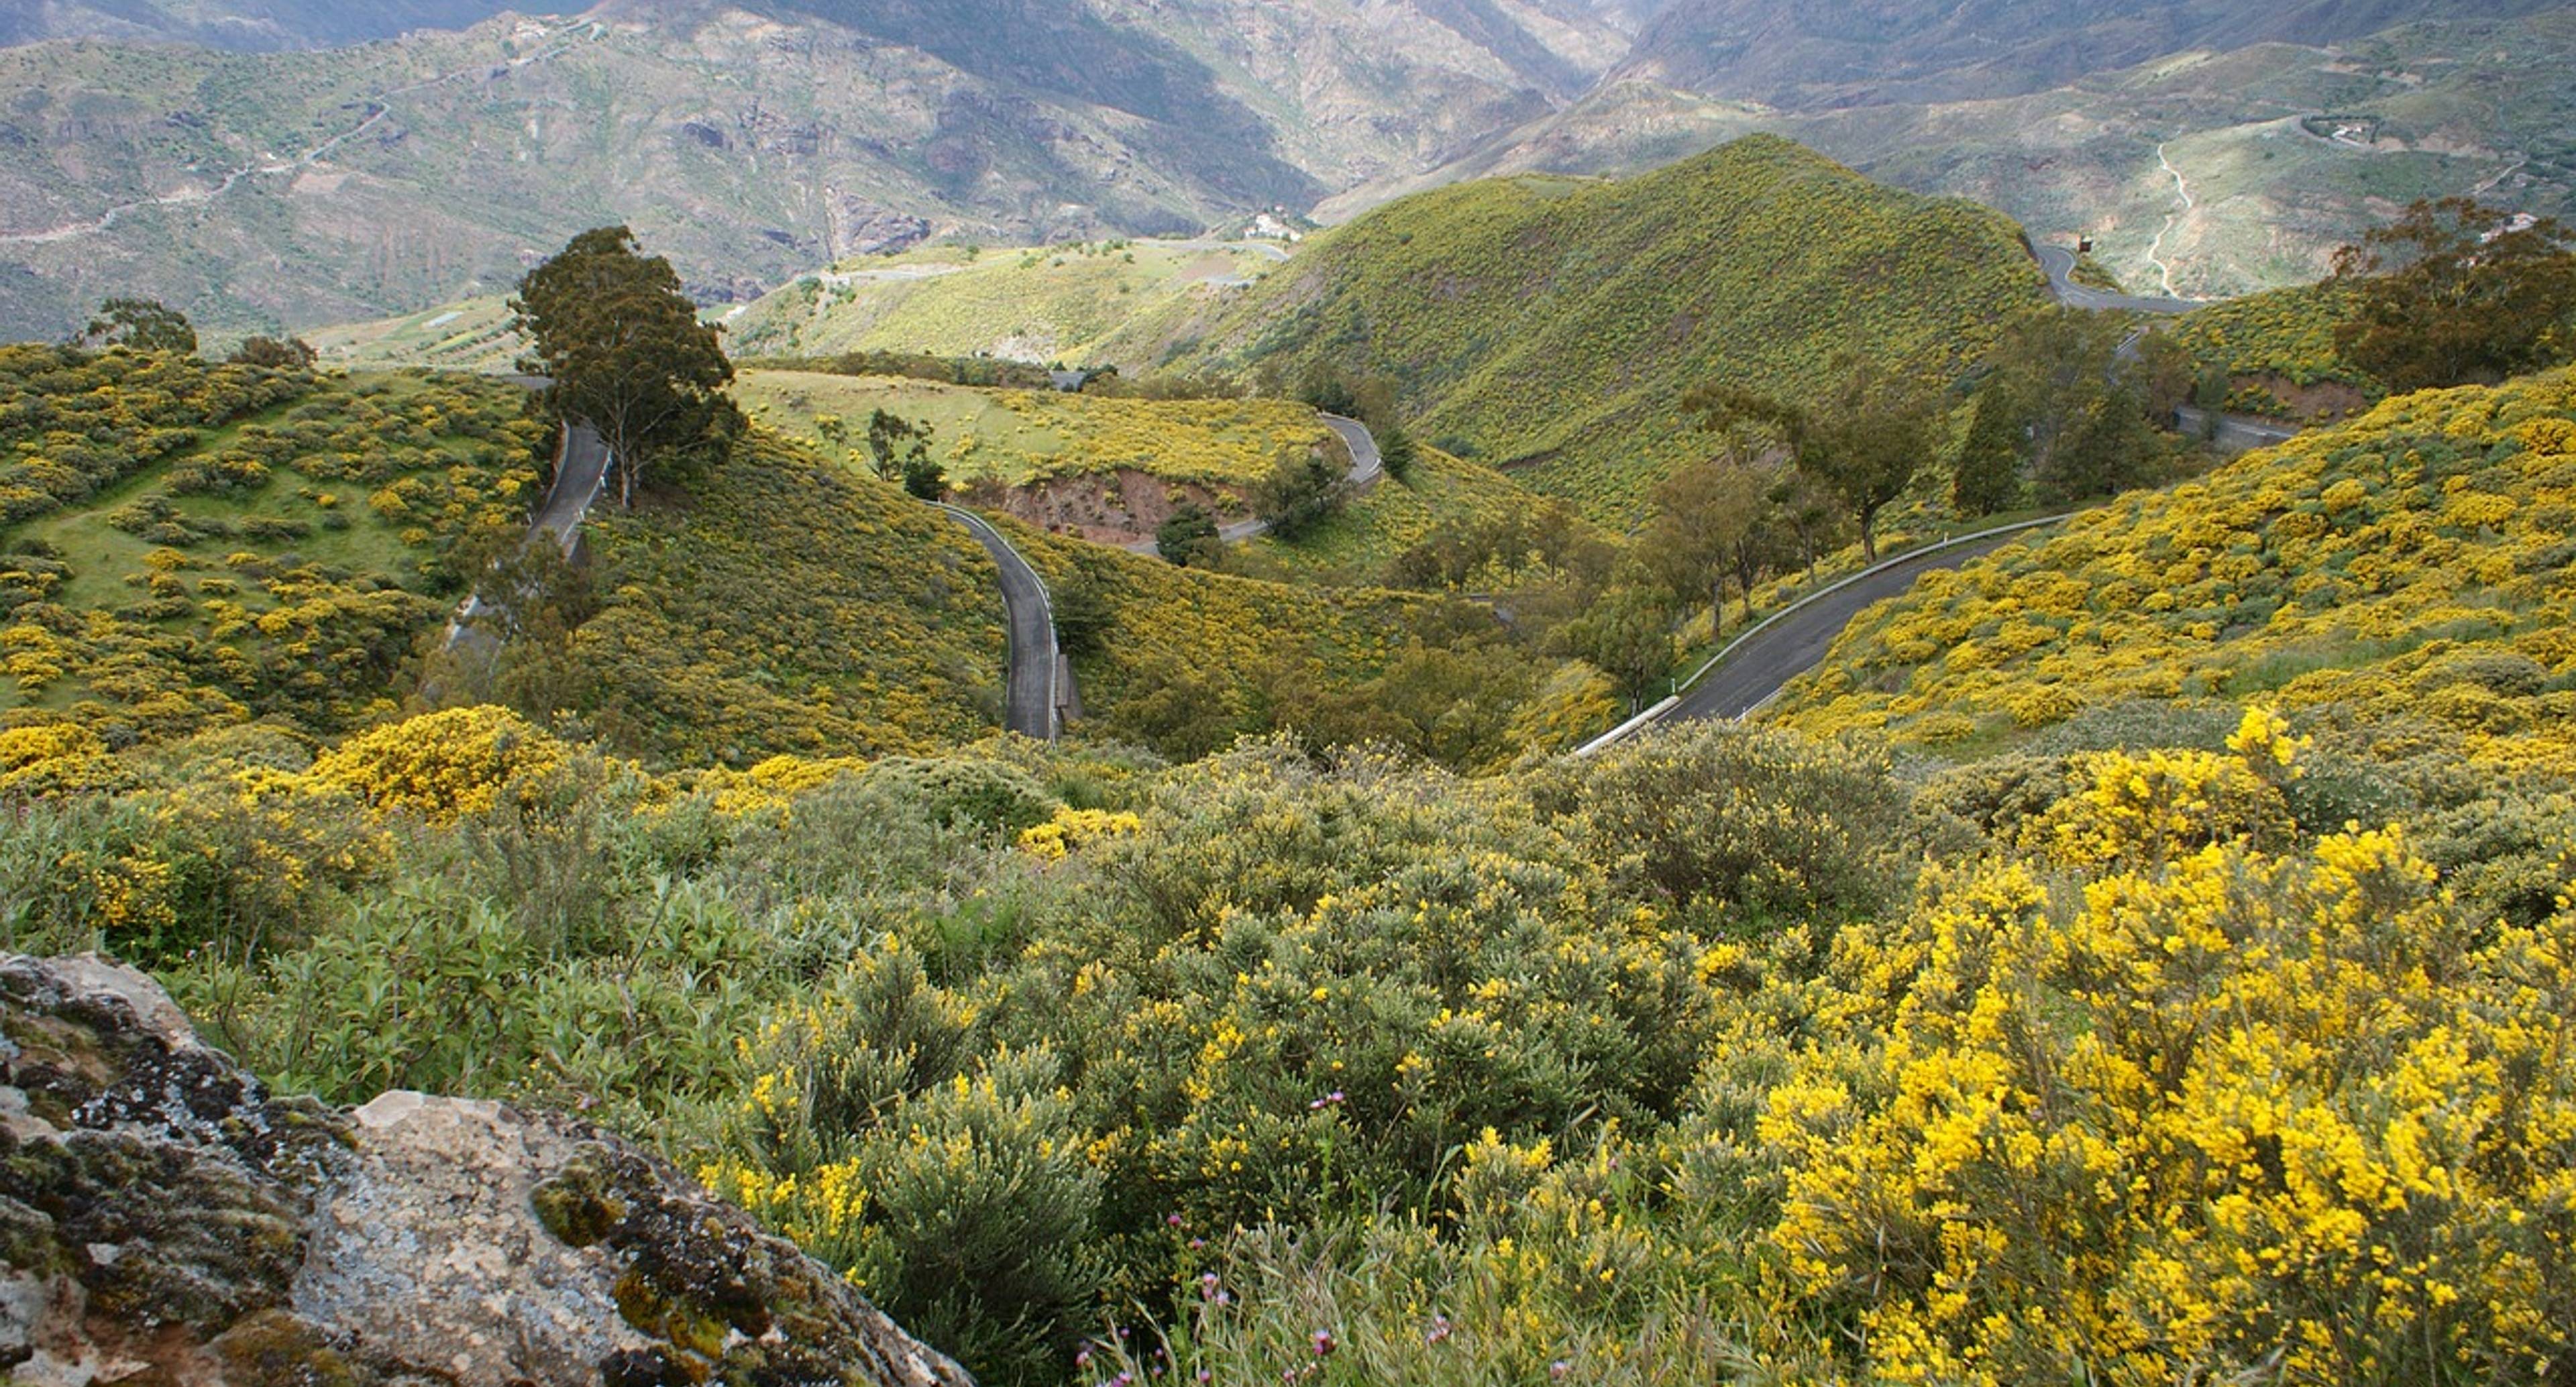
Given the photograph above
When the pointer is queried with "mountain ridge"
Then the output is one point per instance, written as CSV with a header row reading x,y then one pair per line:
x,y
749,141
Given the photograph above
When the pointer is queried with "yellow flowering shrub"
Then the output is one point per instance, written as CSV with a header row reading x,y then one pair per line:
x,y
443,766
1072,830
2410,563
54,758
773,784
2244,1113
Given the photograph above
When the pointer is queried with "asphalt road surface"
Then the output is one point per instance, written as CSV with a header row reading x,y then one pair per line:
x,y
2059,262
1367,466
1760,668
2235,433
581,473
1032,703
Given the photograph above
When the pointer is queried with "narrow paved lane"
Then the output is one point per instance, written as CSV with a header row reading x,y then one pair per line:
x,y
1755,672
2234,433
581,473
1368,467
1031,700
2059,263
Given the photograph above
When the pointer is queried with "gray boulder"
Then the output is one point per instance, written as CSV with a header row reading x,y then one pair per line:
x,y
166,1220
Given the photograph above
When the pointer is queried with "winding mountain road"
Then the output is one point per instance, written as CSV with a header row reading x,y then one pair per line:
x,y
2059,263
1367,466
1032,707
1753,670
582,460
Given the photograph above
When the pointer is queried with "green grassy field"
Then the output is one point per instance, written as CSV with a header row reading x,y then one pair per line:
x,y
1017,437
1079,304
472,335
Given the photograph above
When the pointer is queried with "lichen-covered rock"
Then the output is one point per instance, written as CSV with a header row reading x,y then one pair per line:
x,y
164,1219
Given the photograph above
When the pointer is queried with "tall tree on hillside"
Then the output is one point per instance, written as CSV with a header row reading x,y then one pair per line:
x,y
2459,293
1714,520
2077,398
146,325
1986,476
626,351
1863,444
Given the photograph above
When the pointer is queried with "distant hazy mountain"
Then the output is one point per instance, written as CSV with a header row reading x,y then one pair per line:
x,y
1804,54
2189,138
247,25
750,140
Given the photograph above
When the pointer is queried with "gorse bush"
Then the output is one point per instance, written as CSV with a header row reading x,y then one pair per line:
x,y
1729,1054
2412,564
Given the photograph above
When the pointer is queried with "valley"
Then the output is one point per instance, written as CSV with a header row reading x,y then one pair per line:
x,y
1640,692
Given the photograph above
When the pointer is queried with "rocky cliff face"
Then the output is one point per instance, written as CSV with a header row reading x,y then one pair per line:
x,y
164,1219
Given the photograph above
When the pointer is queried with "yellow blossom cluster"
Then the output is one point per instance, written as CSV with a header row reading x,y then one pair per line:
x,y
2209,1111
2411,563
1072,830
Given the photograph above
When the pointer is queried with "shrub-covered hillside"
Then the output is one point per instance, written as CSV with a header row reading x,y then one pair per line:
x,y
1185,661
1555,324
1069,303
775,604
2277,352
1015,437
1728,1056
185,545
2409,567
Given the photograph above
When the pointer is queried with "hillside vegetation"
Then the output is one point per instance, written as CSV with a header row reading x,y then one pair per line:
x,y
1017,437
1552,326
2278,354
2408,568
776,604
1726,1049
1076,303
185,546
264,190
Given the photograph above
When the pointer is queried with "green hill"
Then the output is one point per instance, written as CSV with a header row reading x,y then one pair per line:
x,y
1551,326
1071,303
185,546
2409,568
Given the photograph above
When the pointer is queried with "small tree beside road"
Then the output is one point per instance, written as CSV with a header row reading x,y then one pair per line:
x,y
899,450
626,352
1864,444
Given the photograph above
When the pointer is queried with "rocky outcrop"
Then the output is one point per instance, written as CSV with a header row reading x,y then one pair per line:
x,y
164,1220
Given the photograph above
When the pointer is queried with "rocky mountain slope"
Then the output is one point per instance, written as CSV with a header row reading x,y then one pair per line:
x,y
1840,53
2230,147
245,25
163,1213
749,141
